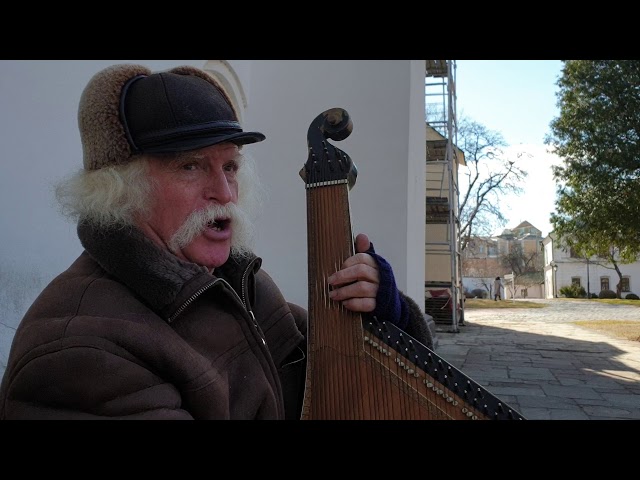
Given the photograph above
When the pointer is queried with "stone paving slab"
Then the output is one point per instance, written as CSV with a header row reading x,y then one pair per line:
x,y
545,366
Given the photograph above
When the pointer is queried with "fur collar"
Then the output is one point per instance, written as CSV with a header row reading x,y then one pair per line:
x,y
155,274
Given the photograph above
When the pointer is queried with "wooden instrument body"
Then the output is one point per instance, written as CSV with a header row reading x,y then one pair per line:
x,y
359,367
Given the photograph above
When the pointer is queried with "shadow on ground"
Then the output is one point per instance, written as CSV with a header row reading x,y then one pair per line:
x,y
548,377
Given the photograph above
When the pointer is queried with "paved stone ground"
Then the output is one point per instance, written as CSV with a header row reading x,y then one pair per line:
x,y
546,367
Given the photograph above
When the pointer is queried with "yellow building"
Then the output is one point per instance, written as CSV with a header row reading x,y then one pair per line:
x,y
515,253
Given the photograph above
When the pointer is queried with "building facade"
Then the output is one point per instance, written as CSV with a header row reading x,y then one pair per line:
x,y
514,254
563,268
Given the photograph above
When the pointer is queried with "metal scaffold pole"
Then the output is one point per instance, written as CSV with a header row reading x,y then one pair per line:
x,y
442,217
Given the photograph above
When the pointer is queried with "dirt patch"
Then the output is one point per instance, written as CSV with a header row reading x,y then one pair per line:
x,y
488,303
625,329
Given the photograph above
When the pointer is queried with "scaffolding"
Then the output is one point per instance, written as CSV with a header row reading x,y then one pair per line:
x,y
444,299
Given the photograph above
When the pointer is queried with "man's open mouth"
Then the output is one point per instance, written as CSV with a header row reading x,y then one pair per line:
x,y
219,224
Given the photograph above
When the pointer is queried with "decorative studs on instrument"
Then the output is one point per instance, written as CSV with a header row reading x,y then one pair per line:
x,y
437,376
377,346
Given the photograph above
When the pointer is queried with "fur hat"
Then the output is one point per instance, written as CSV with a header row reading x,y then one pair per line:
x,y
127,110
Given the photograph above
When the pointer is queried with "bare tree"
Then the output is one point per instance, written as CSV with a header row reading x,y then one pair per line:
x,y
488,285
519,261
526,267
488,175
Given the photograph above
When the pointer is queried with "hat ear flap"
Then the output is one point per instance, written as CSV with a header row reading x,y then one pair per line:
x,y
123,115
188,70
102,133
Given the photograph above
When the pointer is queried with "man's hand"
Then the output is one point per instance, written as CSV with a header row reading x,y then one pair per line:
x,y
356,284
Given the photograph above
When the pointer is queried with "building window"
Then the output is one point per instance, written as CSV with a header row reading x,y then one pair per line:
x,y
625,284
604,283
576,281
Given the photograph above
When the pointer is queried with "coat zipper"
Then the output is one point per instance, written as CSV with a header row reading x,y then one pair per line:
x,y
242,300
200,291
245,302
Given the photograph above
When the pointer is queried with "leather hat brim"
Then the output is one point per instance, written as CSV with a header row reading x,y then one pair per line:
x,y
186,144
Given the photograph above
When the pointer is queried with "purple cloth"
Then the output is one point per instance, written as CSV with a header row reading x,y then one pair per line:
x,y
389,305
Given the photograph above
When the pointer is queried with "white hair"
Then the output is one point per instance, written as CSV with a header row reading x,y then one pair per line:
x,y
115,196
108,197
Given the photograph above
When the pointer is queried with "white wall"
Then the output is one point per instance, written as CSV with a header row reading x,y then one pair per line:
x,y
386,102
533,291
482,283
567,270
589,274
40,144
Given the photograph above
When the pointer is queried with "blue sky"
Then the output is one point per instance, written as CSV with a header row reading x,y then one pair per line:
x,y
518,99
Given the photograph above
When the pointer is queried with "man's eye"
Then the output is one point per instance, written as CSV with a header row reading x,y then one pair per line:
x,y
231,167
190,166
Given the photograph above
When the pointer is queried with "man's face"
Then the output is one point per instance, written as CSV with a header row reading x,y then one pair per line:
x,y
180,216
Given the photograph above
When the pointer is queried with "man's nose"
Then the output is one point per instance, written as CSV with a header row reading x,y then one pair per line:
x,y
218,188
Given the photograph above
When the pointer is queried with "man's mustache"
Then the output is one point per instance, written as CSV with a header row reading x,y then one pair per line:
x,y
199,220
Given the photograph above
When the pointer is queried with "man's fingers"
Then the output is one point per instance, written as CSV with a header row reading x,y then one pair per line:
x,y
364,258
362,243
354,290
356,272
356,284
360,304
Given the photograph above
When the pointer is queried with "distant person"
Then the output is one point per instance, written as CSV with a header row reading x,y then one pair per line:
x,y
497,289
